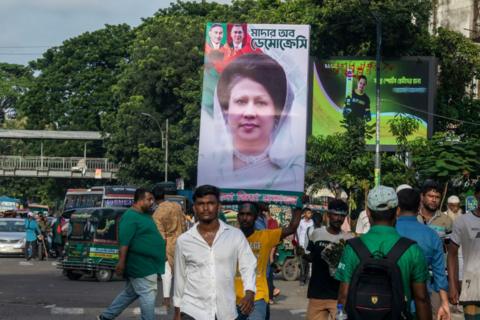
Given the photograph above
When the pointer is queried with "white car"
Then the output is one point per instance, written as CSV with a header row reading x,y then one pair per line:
x,y
12,236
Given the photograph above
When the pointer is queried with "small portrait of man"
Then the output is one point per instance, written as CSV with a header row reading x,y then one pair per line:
x,y
237,35
215,36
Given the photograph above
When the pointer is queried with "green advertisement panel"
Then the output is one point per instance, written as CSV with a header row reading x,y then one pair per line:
x,y
346,88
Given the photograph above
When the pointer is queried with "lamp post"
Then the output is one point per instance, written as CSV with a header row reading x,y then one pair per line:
x,y
164,139
378,162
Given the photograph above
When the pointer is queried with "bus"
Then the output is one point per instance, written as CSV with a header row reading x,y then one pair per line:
x,y
104,196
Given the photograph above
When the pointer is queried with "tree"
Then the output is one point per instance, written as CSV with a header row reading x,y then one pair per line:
x,y
15,81
459,60
73,86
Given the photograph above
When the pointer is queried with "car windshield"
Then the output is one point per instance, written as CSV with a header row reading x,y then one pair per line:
x,y
12,226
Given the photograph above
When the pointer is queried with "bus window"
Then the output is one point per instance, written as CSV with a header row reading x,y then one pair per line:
x,y
76,201
118,203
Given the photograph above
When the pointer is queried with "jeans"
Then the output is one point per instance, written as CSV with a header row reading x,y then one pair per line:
x,y
31,249
144,289
259,312
304,270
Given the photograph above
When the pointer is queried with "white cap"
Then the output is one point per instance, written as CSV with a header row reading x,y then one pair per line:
x,y
453,199
403,187
30,214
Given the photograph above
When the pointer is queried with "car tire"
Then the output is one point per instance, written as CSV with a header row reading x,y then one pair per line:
x,y
291,269
72,275
104,275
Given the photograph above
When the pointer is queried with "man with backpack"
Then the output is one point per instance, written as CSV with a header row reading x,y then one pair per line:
x,y
380,272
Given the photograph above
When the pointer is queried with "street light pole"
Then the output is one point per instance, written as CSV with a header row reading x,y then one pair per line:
x,y
378,163
164,139
166,150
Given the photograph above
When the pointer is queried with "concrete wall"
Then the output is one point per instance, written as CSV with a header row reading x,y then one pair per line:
x,y
458,15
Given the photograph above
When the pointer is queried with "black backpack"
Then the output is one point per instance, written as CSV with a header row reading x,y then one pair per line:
x,y
376,288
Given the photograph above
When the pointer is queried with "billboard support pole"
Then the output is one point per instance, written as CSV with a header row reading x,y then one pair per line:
x,y
378,163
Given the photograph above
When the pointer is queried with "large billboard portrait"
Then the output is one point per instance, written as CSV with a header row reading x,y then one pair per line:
x,y
254,107
346,88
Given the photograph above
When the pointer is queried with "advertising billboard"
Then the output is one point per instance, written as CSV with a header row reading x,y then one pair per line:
x,y
345,87
254,107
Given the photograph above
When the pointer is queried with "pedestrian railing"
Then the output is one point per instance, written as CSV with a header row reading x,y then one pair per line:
x,y
85,166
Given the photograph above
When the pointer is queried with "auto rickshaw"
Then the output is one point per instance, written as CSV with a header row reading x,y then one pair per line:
x,y
92,243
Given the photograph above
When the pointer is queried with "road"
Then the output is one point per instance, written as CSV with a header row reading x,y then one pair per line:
x,y
38,290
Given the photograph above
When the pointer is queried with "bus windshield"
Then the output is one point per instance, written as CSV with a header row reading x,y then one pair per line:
x,y
87,200
105,197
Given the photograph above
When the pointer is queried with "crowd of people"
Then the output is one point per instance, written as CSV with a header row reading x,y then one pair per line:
x,y
44,238
394,269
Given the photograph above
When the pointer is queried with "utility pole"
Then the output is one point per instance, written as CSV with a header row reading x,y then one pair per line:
x,y
164,139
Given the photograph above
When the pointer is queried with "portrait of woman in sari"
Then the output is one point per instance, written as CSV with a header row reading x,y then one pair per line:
x,y
252,142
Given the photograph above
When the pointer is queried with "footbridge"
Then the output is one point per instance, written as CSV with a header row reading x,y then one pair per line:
x,y
55,167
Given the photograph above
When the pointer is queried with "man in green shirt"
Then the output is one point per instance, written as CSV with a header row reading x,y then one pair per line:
x,y
382,205
142,258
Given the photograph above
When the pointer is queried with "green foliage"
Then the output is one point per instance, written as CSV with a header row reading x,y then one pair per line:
x,y
459,60
15,80
402,126
445,158
73,86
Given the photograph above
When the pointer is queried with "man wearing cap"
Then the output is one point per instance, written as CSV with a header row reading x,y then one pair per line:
x,y
382,205
323,287
466,233
261,242
431,245
31,232
453,208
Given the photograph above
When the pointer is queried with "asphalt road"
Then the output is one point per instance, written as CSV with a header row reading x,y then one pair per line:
x,y
38,290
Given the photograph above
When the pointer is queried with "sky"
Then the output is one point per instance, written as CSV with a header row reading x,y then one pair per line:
x,y
30,27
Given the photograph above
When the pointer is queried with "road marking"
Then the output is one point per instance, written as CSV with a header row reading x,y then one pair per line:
x,y
25,263
158,311
298,311
83,311
70,311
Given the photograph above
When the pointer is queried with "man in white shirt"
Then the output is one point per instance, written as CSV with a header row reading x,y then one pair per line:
x,y
466,233
206,259
305,223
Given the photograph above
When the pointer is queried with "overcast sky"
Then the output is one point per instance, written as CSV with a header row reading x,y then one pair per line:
x,y
30,27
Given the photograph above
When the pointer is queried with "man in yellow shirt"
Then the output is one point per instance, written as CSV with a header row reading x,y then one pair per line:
x,y
261,242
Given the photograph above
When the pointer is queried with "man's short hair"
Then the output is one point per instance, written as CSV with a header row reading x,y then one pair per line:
x,y
337,206
206,190
409,200
362,77
160,190
386,215
140,194
430,185
214,25
252,207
